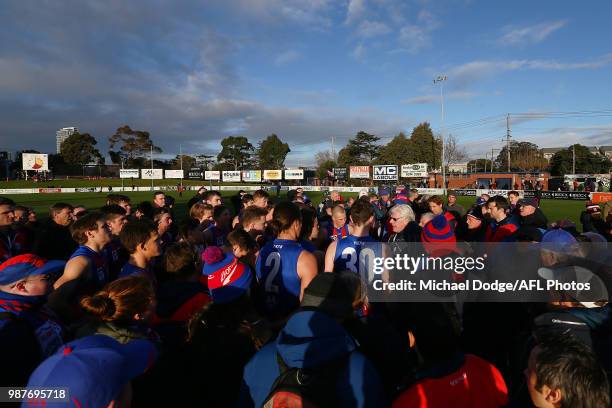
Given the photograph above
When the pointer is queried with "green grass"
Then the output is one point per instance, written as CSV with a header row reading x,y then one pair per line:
x,y
554,209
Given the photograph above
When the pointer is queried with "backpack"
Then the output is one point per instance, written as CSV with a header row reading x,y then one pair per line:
x,y
306,387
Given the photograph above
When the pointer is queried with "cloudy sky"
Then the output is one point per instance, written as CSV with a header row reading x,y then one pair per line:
x,y
193,72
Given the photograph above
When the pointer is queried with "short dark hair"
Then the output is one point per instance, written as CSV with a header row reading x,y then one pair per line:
x,y
246,198
242,239
361,212
146,208
59,207
159,212
155,194
435,199
7,201
260,194
513,192
112,211
251,214
209,194
180,260
500,202
136,233
86,223
567,364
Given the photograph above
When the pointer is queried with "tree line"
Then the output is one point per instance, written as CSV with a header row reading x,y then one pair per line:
x,y
131,148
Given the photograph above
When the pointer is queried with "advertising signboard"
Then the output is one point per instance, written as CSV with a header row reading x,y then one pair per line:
x,y
384,172
35,161
359,172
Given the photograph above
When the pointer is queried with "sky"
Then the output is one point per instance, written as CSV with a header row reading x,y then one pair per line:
x,y
194,72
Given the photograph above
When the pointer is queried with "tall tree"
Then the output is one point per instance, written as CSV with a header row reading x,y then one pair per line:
x,y
79,148
398,151
524,156
360,150
325,155
586,162
427,148
236,152
453,152
271,153
188,162
132,144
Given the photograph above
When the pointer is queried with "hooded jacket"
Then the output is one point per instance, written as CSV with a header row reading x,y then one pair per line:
x,y
310,339
537,219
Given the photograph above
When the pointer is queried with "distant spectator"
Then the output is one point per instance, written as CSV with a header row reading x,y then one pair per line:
x,y
54,240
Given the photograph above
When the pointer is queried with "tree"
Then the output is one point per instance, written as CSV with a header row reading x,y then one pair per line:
x,y
524,156
453,153
188,162
360,150
426,148
79,149
236,152
325,155
586,162
132,144
479,165
271,153
398,151
323,167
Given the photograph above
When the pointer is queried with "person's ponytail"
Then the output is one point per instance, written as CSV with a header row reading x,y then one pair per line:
x,y
100,305
121,300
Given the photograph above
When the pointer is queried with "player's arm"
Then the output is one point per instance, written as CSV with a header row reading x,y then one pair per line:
x,y
306,270
235,222
329,256
74,269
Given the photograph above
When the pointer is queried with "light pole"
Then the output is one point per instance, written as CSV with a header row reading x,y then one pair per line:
x,y
440,79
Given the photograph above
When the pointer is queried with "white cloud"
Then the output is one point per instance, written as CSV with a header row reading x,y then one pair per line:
x,y
425,99
414,38
356,8
287,57
372,29
477,70
359,51
518,36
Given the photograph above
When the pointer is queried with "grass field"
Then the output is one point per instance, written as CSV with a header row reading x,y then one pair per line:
x,y
554,209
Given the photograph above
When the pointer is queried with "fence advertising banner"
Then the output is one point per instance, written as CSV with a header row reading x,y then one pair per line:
x,y
129,173
359,172
212,175
294,174
384,172
195,174
174,174
273,174
414,170
35,161
561,195
232,175
251,176
152,174
340,173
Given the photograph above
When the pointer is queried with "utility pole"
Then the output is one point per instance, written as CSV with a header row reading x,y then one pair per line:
x,y
181,156
152,188
508,139
574,159
440,79
492,153
333,147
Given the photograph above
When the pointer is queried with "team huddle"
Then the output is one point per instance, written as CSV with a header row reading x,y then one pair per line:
x,y
259,302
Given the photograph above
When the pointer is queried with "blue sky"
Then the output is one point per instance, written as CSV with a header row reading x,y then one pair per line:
x,y
193,72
